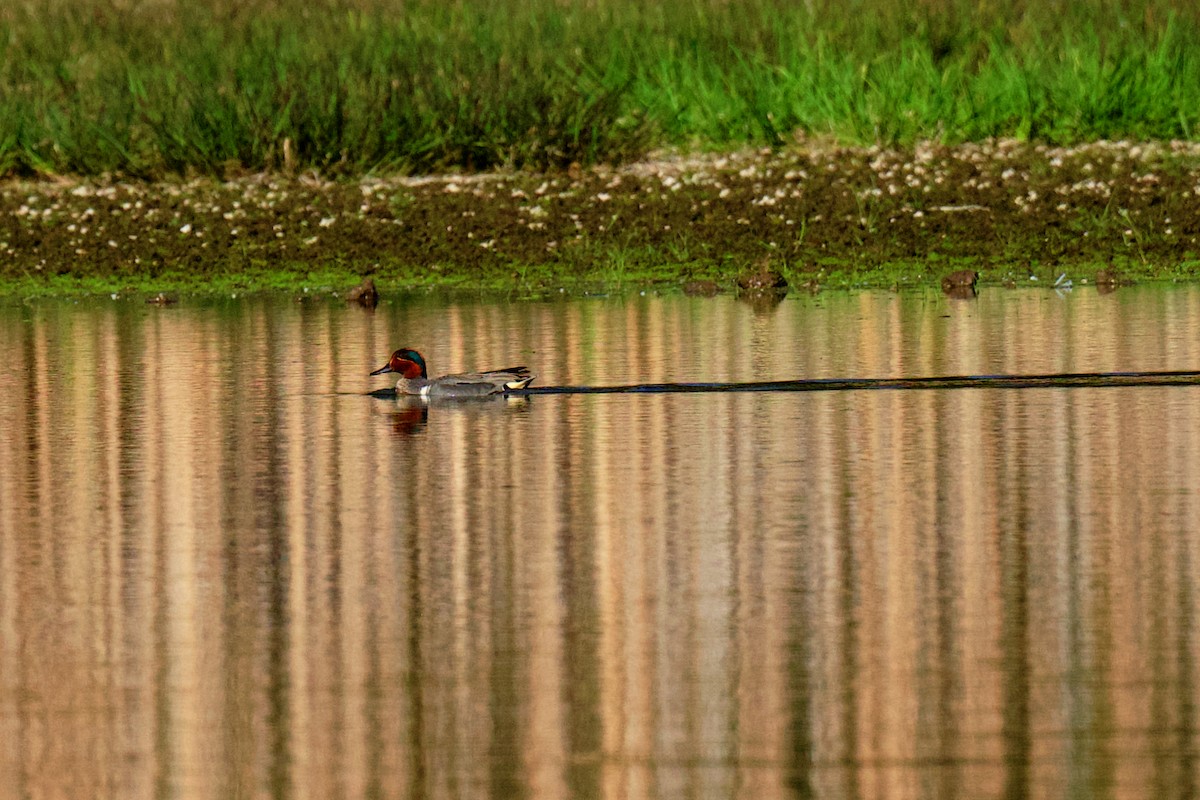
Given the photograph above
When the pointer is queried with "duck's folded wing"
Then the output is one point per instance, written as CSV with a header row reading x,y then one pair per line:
x,y
516,372
469,384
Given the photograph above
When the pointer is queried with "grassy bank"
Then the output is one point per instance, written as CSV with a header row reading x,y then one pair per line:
x,y
155,87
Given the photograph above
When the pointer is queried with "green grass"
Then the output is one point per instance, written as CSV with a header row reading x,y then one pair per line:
x,y
345,86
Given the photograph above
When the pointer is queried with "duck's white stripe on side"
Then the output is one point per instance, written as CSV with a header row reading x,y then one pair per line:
x,y
425,390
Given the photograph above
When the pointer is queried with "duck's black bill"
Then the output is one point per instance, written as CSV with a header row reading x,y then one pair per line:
x,y
383,369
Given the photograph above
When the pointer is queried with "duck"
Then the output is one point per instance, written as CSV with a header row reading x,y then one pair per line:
x,y
414,378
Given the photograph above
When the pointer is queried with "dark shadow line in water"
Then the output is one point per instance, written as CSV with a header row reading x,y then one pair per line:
x,y
1052,381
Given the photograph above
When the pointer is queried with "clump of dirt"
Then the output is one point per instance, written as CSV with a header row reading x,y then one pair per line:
x,y
365,294
821,216
960,279
762,277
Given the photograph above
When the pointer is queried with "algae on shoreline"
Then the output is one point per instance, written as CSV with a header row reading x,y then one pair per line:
x,y
824,215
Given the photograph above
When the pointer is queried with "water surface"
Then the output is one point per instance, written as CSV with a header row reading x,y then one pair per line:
x,y
225,571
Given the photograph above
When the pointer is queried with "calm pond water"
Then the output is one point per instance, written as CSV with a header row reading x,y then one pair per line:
x,y
227,572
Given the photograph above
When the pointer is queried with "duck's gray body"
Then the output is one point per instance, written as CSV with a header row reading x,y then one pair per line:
x,y
414,378
467,384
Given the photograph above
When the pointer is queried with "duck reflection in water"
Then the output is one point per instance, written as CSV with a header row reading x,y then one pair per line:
x,y
409,414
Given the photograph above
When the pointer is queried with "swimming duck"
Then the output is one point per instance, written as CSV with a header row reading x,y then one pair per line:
x,y
414,379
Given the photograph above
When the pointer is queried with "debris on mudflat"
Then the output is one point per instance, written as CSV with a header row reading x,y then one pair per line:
x,y
1107,281
365,294
701,289
762,286
960,278
762,278
960,284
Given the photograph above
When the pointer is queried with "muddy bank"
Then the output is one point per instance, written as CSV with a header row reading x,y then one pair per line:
x,y
823,216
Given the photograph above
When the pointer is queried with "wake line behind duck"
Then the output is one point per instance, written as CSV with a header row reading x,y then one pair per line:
x,y
1051,381
514,381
